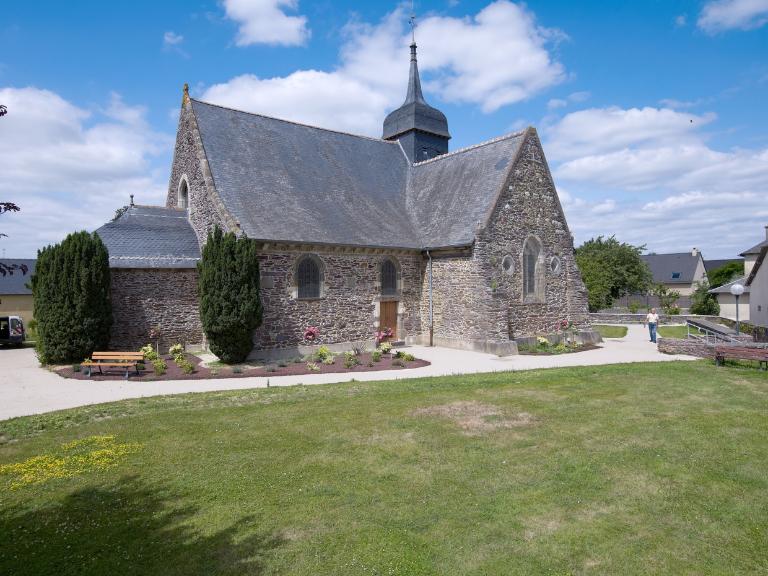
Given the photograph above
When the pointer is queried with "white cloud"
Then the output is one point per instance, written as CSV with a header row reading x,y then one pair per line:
x,y
653,176
681,21
170,38
474,67
556,103
721,15
69,168
265,22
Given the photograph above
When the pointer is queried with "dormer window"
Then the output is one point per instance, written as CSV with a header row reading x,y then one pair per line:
x,y
675,275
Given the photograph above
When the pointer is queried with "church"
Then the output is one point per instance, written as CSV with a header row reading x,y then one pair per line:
x,y
466,248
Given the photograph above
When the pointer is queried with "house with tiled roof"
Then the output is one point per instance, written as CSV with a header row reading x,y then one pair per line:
x,y
15,293
467,248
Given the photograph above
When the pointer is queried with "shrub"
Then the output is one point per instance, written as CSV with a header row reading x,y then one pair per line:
x,y
381,335
385,347
350,360
398,362
313,367
634,307
702,302
271,368
160,366
71,294
329,360
358,349
298,360
186,366
322,353
149,353
400,354
75,367
230,305
176,350
140,366
282,364
237,370
376,356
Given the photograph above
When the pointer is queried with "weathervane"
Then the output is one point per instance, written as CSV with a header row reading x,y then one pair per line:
x,y
412,22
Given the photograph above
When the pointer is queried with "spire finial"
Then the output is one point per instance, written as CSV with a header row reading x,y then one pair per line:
x,y
185,96
412,22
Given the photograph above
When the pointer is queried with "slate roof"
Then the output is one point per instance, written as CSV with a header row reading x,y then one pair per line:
x,y
663,266
415,113
17,282
710,265
759,262
726,288
284,181
151,237
755,249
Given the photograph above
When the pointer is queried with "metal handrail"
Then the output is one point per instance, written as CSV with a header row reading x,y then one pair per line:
x,y
709,335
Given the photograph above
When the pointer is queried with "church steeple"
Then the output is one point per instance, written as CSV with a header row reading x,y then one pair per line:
x,y
421,129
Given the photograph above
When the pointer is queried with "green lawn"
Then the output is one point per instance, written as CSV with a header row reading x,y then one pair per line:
x,y
607,331
633,469
673,331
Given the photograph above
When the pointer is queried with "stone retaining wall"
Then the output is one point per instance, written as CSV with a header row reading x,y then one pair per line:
x,y
685,346
611,318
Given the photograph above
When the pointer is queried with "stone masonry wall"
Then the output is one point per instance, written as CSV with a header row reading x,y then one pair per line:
x,y
685,346
529,207
145,298
347,310
205,208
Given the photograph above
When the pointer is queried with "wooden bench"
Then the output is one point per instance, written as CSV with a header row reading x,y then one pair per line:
x,y
722,353
126,360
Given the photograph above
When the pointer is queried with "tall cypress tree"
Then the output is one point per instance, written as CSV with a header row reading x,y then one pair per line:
x,y
71,293
230,304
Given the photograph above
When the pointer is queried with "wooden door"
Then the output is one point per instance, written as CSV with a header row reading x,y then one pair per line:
x,y
388,317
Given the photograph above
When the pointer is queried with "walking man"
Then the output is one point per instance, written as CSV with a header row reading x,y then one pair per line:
x,y
653,321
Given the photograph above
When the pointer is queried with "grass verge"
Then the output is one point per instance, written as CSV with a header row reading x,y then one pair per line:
x,y
608,331
625,469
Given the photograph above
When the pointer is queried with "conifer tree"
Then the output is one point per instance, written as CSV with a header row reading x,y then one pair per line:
x,y
230,303
71,293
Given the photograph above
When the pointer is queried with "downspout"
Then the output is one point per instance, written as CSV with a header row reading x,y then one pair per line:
x,y
431,315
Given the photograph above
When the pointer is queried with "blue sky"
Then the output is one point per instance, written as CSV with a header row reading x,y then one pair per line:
x,y
652,113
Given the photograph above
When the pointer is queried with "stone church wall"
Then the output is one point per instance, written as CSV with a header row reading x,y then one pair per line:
x,y
348,308
146,298
189,162
528,207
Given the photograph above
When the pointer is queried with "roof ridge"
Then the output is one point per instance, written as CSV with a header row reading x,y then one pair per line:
x,y
473,146
294,122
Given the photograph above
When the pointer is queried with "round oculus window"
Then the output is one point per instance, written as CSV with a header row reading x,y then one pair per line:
x,y
555,265
508,265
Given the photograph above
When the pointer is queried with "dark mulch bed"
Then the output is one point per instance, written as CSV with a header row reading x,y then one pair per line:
x,y
582,348
201,372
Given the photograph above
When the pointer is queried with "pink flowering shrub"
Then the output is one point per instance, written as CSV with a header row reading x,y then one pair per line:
x,y
311,333
382,335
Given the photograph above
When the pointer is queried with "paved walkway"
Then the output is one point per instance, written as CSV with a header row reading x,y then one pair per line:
x,y
25,388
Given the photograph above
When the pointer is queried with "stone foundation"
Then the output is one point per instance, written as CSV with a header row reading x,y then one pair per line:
x,y
145,298
499,348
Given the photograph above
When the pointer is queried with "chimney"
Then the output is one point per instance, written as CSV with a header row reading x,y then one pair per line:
x,y
132,204
766,232
695,252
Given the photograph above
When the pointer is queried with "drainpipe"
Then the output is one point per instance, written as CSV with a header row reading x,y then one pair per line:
x,y
431,316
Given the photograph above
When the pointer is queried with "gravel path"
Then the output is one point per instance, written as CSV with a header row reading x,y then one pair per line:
x,y
25,388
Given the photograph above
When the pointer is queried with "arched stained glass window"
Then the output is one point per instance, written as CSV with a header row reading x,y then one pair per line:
x,y
308,277
388,278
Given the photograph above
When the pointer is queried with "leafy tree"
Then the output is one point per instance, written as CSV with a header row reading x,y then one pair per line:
x,y
10,268
3,110
230,305
611,269
725,274
667,298
71,293
702,302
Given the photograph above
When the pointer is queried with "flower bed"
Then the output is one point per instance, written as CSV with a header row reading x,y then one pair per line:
x,y
363,363
545,348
